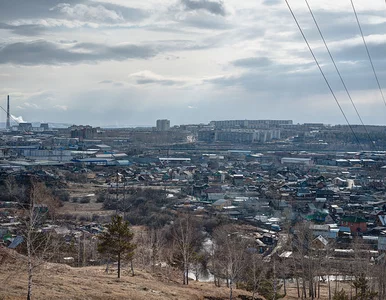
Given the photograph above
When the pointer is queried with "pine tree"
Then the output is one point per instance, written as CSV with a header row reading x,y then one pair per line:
x,y
362,289
117,241
340,295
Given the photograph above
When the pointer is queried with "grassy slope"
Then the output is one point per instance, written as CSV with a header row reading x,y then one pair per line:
x,y
56,281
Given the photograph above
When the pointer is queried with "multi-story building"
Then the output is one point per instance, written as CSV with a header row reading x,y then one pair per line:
x,y
163,125
83,132
249,124
238,135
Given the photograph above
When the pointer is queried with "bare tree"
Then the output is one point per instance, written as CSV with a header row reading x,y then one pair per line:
x,y
40,246
230,253
255,271
187,240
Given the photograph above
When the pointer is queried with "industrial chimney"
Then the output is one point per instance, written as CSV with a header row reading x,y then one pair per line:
x,y
8,125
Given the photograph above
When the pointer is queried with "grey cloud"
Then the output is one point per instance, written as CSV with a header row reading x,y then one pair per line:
x,y
84,10
114,83
68,41
252,62
185,45
26,9
358,52
148,77
207,22
26,30
166,82
128,13
43,52
287,80
214,7
266,66
335,26
271,2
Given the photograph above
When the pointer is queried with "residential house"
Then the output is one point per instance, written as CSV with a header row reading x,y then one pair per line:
x,y
356,224
319,242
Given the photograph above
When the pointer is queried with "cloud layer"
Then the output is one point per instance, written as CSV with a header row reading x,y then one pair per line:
x,y
43,52
94,61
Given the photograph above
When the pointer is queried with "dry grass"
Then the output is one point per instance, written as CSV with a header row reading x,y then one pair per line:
x,y
56,281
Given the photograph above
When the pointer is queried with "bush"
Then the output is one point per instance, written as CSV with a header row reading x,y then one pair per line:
x,y
75,199
68,217
95,218
85,200
84,218
101,196
62,195
76,177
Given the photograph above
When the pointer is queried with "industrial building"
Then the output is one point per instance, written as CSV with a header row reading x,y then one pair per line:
x,y
297,161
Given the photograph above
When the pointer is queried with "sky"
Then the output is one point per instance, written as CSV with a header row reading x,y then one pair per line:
x,y
129,63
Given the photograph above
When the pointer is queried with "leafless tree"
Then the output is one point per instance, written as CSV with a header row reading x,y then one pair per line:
x,y
255,271
40,246
304,264
230,253
187,240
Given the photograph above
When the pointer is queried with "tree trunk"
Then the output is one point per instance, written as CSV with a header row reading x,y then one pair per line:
x,y
304,289
119,265
319,288
132,268
187,274
329,286
274,281
230,290
107,266
184,273
30,267
29,293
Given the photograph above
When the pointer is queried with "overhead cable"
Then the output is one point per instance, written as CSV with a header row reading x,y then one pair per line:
x,y
367,50
324,76
338,72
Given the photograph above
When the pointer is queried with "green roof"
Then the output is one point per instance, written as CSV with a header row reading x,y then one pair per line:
x,y
353,219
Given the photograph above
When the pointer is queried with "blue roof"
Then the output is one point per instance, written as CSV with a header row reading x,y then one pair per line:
x,y
16,242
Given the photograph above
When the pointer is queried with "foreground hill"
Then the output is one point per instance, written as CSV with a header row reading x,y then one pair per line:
x,y
57,281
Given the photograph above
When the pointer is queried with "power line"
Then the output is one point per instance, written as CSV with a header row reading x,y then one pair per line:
x,y
367,50
337,70
324,76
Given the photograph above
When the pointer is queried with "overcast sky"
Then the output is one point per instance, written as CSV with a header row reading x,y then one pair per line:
x,y
130,62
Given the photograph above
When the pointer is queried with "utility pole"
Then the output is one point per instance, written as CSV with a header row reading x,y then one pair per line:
x,y
274,278
8,124
117,195
84,251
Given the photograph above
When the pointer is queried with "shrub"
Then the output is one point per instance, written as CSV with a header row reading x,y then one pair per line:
x,y
62,195
85,200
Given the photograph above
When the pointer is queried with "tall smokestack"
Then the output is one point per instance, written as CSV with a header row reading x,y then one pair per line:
x,y
8,125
